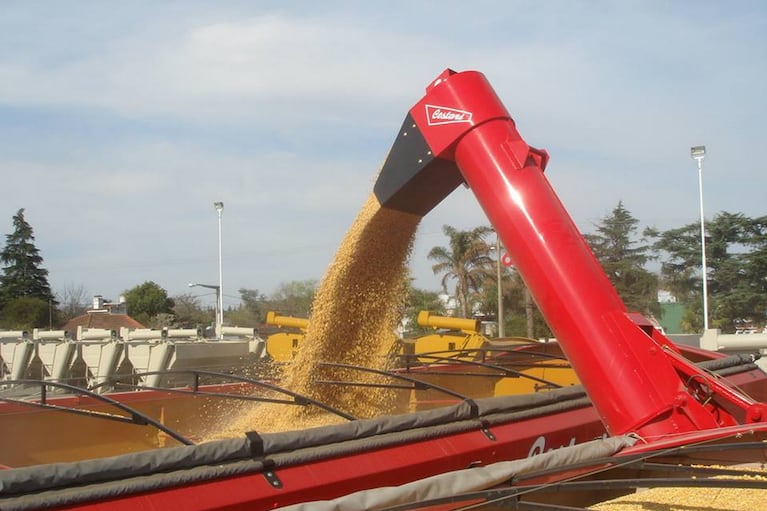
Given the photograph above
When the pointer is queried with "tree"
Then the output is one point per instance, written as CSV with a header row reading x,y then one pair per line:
x,y
486,297
146,301
188,312
295,297
26,313
251,311
623,259
679,269
736,260
23,274
524,319
521,315
466,261
755,267
420,300
73,301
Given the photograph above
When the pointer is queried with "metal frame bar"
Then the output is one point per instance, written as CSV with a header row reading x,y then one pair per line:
x,y
136,417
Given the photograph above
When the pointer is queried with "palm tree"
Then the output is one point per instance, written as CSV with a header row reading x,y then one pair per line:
x,y
466,261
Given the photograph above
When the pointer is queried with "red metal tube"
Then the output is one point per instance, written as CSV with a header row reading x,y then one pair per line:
x,y
632,384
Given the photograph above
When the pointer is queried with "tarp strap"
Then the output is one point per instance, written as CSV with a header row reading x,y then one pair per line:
x,y
256,442
473,408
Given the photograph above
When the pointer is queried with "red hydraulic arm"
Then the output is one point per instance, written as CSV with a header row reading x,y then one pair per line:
x,y
461,132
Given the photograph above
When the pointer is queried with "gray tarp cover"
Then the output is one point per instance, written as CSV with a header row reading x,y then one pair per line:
x,y
57,484
463,481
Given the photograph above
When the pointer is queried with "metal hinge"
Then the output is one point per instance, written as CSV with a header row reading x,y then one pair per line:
x,y
271,478
486,430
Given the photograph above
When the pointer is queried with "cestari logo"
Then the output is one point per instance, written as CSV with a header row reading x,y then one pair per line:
x,y
436,115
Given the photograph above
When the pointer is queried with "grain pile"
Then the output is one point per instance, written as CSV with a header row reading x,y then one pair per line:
x,y
688,499
354,314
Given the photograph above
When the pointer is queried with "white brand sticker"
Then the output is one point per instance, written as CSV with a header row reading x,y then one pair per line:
x,y
436,115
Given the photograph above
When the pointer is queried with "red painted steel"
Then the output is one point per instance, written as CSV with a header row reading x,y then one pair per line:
x,y
332,477
462,119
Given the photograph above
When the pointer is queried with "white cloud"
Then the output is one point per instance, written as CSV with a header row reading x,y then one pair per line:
x,y
119,127
224,69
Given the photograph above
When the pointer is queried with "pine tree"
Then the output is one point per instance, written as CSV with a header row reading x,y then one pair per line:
x,y
624,259
23,275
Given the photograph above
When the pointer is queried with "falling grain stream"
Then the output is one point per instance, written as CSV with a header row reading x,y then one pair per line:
x,y
354,315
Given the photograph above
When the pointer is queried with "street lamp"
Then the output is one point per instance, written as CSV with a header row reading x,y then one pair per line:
x,y
501,329
219,311
219,332
698,153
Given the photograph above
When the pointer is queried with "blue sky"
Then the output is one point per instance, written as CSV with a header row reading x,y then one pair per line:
x,y
122,122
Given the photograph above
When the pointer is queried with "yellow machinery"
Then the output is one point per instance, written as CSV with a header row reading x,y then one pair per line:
x,y
283,346
460,334
540,365
535,366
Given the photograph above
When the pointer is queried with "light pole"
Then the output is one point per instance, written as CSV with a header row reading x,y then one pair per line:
x,y
698,153
219,331
219,311
501,329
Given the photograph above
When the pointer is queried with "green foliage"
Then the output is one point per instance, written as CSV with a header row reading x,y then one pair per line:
x,y
421,300
523,318
679,271
251,312
189,313
475,271
23,274
516,315
623,259
252,300
26,313
466,261
148,300
486,296
736,260
294,298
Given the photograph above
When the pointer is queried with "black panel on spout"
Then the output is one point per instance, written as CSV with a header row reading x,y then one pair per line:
x,y
412,179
